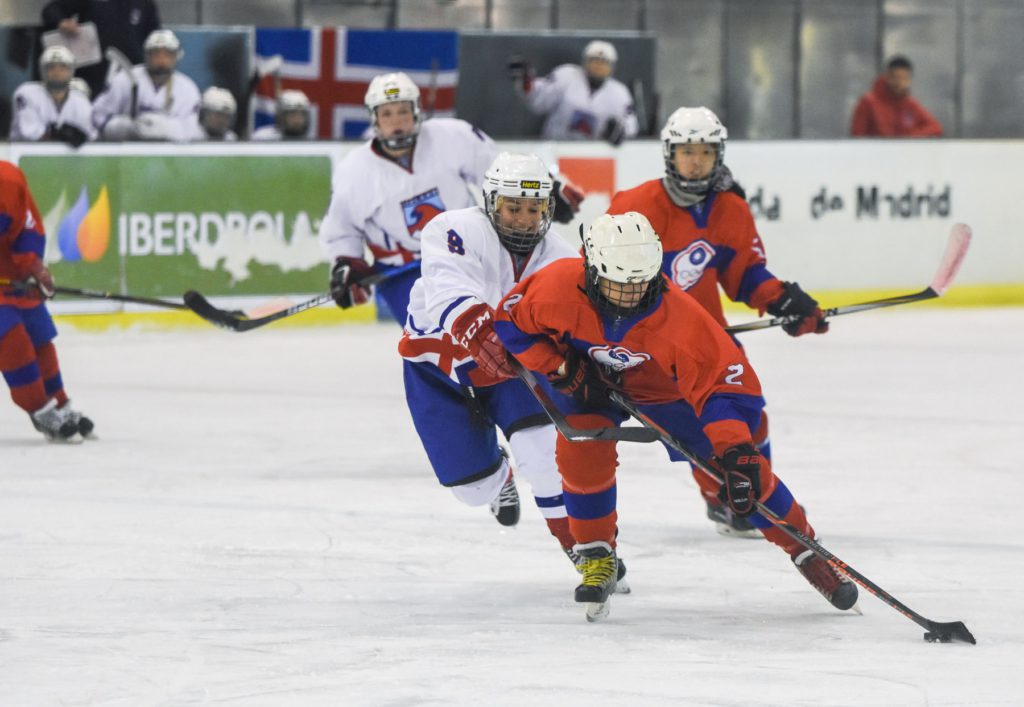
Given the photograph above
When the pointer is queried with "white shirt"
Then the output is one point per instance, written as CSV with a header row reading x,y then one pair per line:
x,y
573,111
464,264
376,202
178,100
35,110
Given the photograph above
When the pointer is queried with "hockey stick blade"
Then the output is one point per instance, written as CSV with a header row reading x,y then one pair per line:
x,y
201,306
937,632
575,434
956,249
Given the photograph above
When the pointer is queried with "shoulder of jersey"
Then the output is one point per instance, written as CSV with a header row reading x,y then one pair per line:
x,y
29,87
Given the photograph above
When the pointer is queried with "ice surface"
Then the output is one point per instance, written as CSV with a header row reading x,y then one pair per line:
x,y
259,526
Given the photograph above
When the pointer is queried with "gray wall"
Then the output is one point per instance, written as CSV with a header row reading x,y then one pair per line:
x,y
770,68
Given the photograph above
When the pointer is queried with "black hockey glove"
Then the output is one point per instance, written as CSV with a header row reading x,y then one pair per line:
x,y
71,135
567,202
741,487
345,278
579,377
800,310
614,132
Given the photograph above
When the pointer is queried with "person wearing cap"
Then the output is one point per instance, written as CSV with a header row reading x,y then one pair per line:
x,y
579,101
48,109
152,101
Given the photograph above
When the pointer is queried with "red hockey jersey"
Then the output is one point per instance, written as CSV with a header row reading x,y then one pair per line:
x,y
22,239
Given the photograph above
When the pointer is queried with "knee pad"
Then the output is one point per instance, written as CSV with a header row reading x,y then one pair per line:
x,y
534,452
482,491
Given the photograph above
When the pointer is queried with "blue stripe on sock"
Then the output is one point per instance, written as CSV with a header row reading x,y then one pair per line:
x,y
590,506
25,375
52,385
778,503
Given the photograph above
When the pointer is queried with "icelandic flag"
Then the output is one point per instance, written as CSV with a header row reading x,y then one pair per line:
x,y
333,67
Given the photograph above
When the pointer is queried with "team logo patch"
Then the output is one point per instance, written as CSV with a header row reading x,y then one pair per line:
x,y
583,123
420,210
525,184
689,265
511,302
617,358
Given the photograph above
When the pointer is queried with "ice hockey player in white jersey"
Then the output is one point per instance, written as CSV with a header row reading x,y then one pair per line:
x,y
217,111
458,383
580,102
152,101
50,110
385,192
292,119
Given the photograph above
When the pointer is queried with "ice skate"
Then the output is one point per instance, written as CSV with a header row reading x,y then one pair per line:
x,y
505,507
599,567
729,524
621,585
55,423
84,424
836,587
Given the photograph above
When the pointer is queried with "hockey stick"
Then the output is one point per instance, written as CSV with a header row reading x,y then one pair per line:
x,y
573,434
117,58
232,321
956,249
936,631
96,294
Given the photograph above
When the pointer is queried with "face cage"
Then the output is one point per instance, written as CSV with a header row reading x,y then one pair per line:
x,y
519,242
692,186
400,142
281,121
603,304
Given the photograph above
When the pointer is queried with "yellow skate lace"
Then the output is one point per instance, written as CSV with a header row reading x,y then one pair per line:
x,y
598,572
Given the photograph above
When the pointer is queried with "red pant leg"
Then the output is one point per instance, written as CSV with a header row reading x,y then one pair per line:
x,y
21,370
588,482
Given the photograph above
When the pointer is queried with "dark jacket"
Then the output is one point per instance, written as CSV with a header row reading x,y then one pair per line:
x,y
880,113
124,24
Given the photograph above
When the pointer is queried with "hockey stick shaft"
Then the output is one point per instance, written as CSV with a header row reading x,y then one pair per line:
x,y
229,320
97,294
574,434
956,249
943,631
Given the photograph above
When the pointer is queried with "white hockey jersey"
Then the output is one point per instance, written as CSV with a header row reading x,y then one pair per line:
x,y
464,264
271,132
195,132
376,202
178,100
35,110
573,111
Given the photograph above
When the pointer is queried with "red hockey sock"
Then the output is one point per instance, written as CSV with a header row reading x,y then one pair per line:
x,y
559,527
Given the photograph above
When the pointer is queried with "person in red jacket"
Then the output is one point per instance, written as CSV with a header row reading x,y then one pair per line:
x,y
614,322
888,109
28,358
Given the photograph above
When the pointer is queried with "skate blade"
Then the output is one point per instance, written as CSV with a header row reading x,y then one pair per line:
x,y
73,439
856,609
622,587
729,532
597,611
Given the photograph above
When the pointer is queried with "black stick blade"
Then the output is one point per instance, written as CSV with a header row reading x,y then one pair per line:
x,y
201,306
948,632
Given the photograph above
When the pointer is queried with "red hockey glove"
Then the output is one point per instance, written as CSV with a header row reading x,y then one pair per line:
x,y
474,329
580,378
567,201
741,487
345,278
800,310
41,280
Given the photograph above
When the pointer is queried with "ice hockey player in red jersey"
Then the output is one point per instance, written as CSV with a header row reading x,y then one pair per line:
x,y
710,239
28,358
612,321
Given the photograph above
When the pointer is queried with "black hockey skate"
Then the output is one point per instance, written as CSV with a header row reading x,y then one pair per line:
x,y
599,567
505,508
55,423
621,585
84,424
836,587
728,523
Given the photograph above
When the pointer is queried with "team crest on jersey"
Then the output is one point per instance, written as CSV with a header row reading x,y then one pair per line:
x,y
421,209
617,358
689,265
583,123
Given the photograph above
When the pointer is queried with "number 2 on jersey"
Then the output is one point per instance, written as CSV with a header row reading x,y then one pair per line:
x,y
737,371
455,243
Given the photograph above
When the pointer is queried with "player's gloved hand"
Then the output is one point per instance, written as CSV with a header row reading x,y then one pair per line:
x,y
614,132
345,278
567,201
70,134
520,72
800,309
579,377
40,280
474,329
741,469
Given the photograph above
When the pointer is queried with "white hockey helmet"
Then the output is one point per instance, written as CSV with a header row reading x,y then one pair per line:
x,y
623,259
163,39
395,87
56,55
599,49
293,102
688,126
518,176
